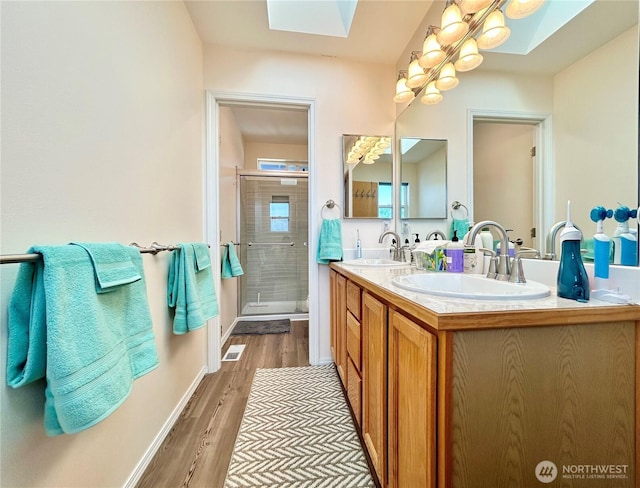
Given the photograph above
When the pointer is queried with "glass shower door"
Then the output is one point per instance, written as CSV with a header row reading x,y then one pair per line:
x,y
273,251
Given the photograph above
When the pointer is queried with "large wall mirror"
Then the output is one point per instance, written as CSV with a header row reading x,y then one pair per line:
x,y
423,170
368,176
582,81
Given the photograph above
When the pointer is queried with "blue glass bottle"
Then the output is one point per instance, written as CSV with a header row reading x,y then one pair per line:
x,y
573,282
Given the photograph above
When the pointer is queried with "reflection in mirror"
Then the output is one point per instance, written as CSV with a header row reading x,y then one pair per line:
x,y
586,145
368,175
423,168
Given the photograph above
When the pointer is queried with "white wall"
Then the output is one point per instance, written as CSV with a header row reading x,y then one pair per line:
x,y
431,193
592,147
350,98
231,156
102,125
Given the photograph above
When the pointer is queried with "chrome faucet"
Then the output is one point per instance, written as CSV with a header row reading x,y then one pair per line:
x,y
504,263
551,239
435,233
396,250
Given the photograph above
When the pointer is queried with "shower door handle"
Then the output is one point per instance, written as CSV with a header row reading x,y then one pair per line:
x,y
269,244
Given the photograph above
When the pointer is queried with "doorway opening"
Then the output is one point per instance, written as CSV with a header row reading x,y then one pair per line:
x,y
510,173
229,149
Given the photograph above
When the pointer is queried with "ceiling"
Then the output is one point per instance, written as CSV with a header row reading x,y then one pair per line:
x,y
244,24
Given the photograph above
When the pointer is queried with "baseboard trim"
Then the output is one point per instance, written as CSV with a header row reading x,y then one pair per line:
x,y
139,470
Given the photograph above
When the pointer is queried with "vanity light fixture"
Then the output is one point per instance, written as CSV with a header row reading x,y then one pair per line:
x,y
469,57
452,27
403,92
366,149
473,6
494,32
467,25
416,76
431,94
518,9
447,79
432,53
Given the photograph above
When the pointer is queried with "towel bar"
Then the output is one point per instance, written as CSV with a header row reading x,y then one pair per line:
x,y
155,248
288,244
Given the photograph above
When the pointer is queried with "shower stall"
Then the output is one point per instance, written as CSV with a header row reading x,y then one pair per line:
x,y
273,235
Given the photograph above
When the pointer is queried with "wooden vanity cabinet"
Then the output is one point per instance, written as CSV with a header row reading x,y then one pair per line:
x,y
354,354
411,411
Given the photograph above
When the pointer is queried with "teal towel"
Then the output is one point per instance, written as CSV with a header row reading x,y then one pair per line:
x,y
190,291
330,242
461,225
112,265
231,266
88,346
226,265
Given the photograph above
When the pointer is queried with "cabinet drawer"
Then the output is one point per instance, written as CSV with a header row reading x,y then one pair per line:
x,y
354,391
353,340
354,294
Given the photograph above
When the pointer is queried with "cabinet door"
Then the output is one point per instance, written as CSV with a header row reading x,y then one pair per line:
x,y
374,383
341,328
354,390
412,404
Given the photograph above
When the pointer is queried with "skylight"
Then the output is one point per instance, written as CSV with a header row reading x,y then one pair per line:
x,y
321,17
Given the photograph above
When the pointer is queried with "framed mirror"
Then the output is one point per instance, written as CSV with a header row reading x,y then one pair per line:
x,y
586,147
423,170
367,163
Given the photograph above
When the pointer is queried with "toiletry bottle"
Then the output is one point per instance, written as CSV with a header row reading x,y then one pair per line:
x,y
473,256
487,238
625,242
601,248
358,245
573,282
406,251
455,254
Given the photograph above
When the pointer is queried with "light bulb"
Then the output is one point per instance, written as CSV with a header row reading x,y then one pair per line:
x,y
472,6
518,9
416,76
452,27
403,93
447,79
431,94
469,58
494,32
432,53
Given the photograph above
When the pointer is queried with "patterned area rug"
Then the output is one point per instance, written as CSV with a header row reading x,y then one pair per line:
x,y
244,327
297,432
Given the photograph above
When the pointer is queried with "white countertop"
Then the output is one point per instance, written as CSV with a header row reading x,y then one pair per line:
x,y
382,277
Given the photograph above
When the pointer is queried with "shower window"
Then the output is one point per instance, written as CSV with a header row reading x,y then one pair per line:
x,y
279,212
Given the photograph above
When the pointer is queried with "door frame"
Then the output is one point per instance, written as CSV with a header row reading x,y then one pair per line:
x,y
212,205
544,187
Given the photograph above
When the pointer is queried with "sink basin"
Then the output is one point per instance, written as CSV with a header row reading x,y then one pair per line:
x,y
373,262
477,287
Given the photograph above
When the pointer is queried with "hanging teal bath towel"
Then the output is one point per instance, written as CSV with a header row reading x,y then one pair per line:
x,y
231,266
330,242
88,346
190,289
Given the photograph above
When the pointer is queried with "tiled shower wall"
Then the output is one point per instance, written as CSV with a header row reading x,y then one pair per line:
x,y
278,273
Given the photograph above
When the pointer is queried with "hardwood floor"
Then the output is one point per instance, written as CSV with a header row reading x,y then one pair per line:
x,y
197,451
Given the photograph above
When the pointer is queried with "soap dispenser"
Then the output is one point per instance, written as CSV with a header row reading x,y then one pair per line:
x,y
455,254
573,282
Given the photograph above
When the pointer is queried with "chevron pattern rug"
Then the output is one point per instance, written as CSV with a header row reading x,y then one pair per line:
x,y
297,432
